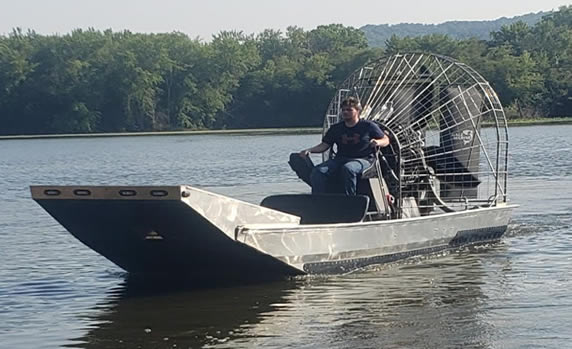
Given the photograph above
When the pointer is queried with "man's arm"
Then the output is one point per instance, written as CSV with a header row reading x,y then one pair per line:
x,y
378,137
380,142
320,148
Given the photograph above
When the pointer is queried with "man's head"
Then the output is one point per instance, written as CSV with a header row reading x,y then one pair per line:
x,y
351,108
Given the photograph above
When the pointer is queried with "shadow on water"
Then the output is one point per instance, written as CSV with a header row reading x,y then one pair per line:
x,y
424,302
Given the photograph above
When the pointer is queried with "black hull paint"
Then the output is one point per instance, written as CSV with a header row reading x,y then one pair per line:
x,y
163,237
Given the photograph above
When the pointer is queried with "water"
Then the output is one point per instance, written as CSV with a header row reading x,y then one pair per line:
x,y
55,292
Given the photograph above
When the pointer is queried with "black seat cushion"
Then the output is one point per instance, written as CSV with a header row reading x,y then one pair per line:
x,y
320,209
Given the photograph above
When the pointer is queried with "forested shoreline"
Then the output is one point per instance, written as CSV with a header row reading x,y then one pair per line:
x,y
92,81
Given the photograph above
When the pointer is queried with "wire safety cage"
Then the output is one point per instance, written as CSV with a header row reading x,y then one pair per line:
x,y
448,131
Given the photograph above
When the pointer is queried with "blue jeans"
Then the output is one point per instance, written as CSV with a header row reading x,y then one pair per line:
x,y
348,169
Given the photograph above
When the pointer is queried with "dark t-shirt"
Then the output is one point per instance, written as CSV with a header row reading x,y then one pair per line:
x,y
353,142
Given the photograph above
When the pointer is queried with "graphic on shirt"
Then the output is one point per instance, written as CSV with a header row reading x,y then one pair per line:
x,y
354,139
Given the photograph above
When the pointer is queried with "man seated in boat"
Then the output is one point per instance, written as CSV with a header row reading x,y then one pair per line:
x,y
356,140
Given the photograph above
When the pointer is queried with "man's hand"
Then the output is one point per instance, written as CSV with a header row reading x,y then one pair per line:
x,y
304,153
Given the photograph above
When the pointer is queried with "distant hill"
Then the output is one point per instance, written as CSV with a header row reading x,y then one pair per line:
x,y
377,34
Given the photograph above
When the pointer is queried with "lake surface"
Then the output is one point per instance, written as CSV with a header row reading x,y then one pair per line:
x,y
55,292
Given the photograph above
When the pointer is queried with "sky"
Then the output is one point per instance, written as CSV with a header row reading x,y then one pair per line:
x,y
204,18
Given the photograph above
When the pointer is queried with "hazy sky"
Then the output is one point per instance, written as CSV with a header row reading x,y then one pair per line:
x,y
206,17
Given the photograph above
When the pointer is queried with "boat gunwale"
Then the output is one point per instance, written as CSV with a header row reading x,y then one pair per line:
x,y
280,227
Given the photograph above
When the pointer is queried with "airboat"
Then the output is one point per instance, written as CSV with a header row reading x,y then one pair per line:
x,y
441,184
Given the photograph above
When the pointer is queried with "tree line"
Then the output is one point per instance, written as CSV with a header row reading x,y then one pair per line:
x,y
104,81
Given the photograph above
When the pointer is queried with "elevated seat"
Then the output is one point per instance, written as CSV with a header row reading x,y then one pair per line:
x,y
370,184
320,209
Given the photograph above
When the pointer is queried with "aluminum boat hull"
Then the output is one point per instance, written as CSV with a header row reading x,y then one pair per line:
x,y
182,230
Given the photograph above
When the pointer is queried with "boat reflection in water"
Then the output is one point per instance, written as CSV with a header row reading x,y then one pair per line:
x,y
436,302
137,315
